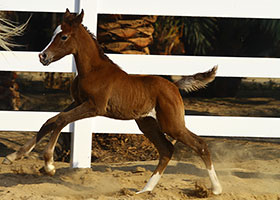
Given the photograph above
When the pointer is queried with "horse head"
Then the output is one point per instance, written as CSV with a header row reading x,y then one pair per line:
x,y
64,40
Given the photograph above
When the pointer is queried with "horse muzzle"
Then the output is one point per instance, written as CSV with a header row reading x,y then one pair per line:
x,y
45,59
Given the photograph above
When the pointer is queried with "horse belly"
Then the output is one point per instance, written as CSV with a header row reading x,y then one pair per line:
x,y
128,111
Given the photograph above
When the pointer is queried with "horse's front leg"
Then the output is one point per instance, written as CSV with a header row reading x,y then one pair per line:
x,y
82,111
28,147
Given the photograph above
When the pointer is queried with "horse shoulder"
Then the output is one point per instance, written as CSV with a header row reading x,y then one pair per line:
x,y
74,90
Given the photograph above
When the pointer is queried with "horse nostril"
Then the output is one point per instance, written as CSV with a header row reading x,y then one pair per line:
x,y
43,55
45,59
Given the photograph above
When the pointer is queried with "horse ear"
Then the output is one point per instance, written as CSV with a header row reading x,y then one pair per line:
x,y
67,13
79,18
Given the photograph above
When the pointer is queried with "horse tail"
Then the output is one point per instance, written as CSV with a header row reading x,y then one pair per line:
x,y
197,81
10,29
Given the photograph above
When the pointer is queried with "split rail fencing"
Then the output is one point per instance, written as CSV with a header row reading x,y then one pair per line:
x,y
147,64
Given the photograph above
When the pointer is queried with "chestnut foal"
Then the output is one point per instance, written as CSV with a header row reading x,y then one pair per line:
x,y
101,88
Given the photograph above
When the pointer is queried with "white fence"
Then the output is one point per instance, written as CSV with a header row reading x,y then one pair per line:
x,y
147,64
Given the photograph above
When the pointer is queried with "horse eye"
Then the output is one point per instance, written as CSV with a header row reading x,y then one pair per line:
x,y
64,37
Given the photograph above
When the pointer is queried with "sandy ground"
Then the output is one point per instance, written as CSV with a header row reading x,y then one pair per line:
x,y
247,170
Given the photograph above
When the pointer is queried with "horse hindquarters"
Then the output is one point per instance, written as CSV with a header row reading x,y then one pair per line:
x,y
170,116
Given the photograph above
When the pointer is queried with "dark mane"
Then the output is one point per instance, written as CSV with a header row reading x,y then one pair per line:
x,y
100,50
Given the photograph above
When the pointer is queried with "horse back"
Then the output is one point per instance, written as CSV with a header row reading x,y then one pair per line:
x,y
134,96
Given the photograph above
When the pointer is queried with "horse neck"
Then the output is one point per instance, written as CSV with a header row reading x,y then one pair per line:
x,y
87,57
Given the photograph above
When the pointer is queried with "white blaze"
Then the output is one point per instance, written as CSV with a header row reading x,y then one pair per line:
x,y
56,31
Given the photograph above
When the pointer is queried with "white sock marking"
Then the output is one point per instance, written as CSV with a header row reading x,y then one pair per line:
x,y
49,167
216,186
12,156
29,150
151,183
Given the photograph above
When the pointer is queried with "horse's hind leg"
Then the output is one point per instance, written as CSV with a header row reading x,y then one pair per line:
x,y
151,130
201,148
171,120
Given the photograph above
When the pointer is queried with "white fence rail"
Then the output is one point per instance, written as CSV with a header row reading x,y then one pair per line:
x,y
147,64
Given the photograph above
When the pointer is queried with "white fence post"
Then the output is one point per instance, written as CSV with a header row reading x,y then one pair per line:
x,y
81,144
82,132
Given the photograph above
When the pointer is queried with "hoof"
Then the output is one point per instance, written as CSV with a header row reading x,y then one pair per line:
x,y
50,170
217,188
51,173
142,191
151,183
6,161
217,191
47,170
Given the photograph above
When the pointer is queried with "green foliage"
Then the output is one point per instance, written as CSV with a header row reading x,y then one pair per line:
x,y
197,34
217,36
272,27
